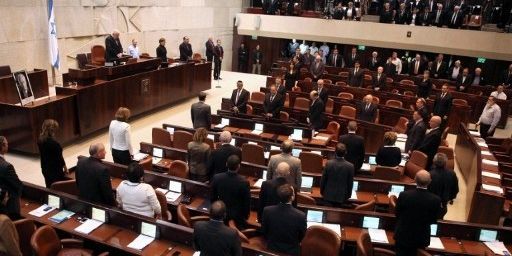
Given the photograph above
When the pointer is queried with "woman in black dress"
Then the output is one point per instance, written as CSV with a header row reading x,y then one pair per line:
x,y
389,154
52,163
291,77
425,86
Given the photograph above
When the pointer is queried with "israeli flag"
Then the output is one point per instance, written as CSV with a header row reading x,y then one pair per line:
x,y
52,37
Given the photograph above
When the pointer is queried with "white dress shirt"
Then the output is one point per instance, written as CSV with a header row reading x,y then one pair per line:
x,y
500,96
398,63
133,51
139,198
120,136
455,72
313,49
491,115
325,48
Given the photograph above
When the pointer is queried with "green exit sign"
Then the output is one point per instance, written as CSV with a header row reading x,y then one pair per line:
x,y
361,47
480,60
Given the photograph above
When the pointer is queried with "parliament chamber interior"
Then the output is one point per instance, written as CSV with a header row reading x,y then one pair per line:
x,y
256,127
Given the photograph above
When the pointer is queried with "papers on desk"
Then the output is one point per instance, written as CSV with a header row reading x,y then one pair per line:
x,y
220,126
139,156
491,175
334,227
366,167
257,132
252,143
41,211
61,216
164,191
474,133
492,188
401,136
353,195
436,243
172,196
402,162
140,242
259,183
266,155
274,148
486,153
497,248
482,144
317,152
400,145
490,162
378,235
211,137
401,139
156,160
320,138
88,226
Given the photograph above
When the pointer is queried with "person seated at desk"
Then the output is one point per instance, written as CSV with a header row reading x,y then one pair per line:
x,y
316,111
268,192
425,86
337,178
282,225
120,141
499,94
133,49
273,103
9,239
92,177
185,49
198,155
113,47
368,110
53,165
201,113
389,154
295,164
219,156
239,98
415,132
135,196
444,182
379,80
161,51
213,237
354,145
233,189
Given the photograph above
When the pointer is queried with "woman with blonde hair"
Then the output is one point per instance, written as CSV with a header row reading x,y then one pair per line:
x,y
198,156
119,133
52,162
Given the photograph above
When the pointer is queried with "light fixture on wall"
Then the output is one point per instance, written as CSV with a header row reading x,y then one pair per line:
x,y
257,22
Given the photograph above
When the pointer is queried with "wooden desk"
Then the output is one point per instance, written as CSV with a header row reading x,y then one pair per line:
x,y
38,80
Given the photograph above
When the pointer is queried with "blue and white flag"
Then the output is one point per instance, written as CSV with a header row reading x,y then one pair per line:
x,y
52,37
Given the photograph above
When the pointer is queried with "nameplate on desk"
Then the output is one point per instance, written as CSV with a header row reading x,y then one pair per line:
x,y
489,162
266,155
492,188
378,235
491,175
436,243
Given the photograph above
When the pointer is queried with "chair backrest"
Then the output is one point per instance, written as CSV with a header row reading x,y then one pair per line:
x,y
364,244
444,135
409,93
181,139
254,154
284,116
301,104
333,128
389,80
401,125
308,80
348,111
341,83
166,214
346,95
249,109
66,186
258,97
178,168
407,82
343,74
241,235
329,106
450,164
392,203
311,162
296,89
376,100
370,206
45,241
320,241
25,229
287,100
475,20
160,136
387,173
377,116
183,216
394,103
395,91
460,102
98,55
305,199
417,162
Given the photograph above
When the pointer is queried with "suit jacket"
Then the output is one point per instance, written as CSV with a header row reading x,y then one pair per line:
x,y
354,14
281,90
441,21
355,79
218,53
323,95
337,180
233,190
402,17
390,68
93,181
425,19
424,113
198,155
295,164
444,184
379,82
161,53
424,88
386,16
112,48
185,51
430,144
355,149
268,194
201,115
214,238
274,106
283,227
374,65
219,157
439,73
369,114
10,182
317,72
415,135
481,81
243,98
350,62
442,106
52,162
388,156
257,56
506,78
466,83
412,66
316,111
339,60
458,20
415,211
209,49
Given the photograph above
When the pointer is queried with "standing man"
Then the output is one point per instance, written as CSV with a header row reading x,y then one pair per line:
x,y
415,211
10,184
316,110
273,103
268,193
415,133
161,51
218,54
113,47
350,62
220,155
201,113
337,178
323,93
257,58
444,182
417,66
317,68
374,62
432,140
185,49
464,81
335,59
133,49
239,98
367,111
379,80
356,75
440,67
243,58
295,177
489,118
354,145
209,49
443,105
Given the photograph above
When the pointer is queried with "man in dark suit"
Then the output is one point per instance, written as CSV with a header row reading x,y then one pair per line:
x,y
415,132
113,47
280,87
415,211
282,225
415,4
298,58
506,78
443,103
213,237
316,110
201,113
233,190
92,177
464,81
185,49
421,107
335,59
161,51
432,139
386,15
367,111
354,145
337,178
402,15
317,68
424,18
268,192
439,67
323,93
417,66
477,78
209,49
218,56
455,18
444,181
351,60
273,103
243,58
374,62
10,184
390,68
356,75
379,80
219,156
239,98
438,16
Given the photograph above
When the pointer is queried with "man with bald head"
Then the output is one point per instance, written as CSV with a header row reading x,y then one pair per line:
x,y
478,79
268,193
337,178
113,47
432,139
219,156
317,68
295,177
273,103
92,177
323,93
368,110
416,210
379,80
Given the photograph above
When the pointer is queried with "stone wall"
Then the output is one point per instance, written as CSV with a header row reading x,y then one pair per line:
x,y
83,23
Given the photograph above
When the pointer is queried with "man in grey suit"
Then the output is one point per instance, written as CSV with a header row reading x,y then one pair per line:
x,y
295,177
337,178
415,133
201,113
317,68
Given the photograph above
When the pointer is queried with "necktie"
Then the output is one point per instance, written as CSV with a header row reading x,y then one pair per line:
x,y
272,97
454,17
355,71
438,15
367,107
442,95
335,60
374,61
353,56
463,79
319,90
237,96
416,67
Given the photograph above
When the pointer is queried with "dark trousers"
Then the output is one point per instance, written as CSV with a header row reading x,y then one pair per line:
x,y
402,250
209,58
484,131
242,67
121,156
53,175
216,69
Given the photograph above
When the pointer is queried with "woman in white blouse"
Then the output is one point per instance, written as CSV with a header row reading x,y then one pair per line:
x,y
135,196
120,142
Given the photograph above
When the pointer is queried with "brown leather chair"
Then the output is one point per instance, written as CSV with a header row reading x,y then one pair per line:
x,y
287,100
367,80
184,218
249,109
376,100
341,83
346,95
377,116
348,111
370,206
311,162
365,246
387,173
304,70
98,55
178,168
257,97
332,128
254,154
327,81
166,214
417,162
45,242
301,104
407,82
460,102
394,103
284,116
409,93
250,236
343,74
392,203
320,241
162,137
296,89
450,164
308,80
329,106
181,139
401,125
305,199
66,186
25,229
389,80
